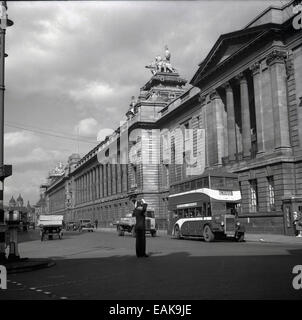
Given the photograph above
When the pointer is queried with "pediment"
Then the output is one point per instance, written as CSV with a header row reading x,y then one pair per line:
x,y
226,46
229,45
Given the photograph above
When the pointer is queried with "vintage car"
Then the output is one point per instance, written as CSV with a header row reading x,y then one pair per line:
x,y
86,225
71,226
127,224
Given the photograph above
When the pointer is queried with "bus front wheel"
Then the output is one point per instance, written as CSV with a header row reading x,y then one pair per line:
x,y
239,237
208,235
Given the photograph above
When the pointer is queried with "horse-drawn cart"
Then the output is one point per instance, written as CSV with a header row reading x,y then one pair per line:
x,y
50,225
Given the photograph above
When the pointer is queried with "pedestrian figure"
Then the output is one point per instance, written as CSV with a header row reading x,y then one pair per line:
x,y
96,223
140,228
297,222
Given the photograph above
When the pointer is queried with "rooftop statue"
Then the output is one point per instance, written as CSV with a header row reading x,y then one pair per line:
x,y
167,53
160,64
58,170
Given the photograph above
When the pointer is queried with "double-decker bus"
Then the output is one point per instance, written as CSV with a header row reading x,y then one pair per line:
x,y
206,207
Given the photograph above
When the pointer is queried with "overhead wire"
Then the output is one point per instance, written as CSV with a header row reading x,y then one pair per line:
x,y
49,133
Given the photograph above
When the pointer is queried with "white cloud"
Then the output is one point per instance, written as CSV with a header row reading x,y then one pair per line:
x,y
103,133
87,127
90,127
92,91
36,155
19,138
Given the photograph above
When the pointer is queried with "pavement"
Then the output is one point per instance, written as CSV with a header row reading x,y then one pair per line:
x,y
273,238
250,237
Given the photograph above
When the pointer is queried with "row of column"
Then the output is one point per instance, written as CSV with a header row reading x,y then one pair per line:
x,y
221,126
57,200
101,181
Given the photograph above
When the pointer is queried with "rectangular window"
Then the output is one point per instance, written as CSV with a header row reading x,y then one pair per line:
x,y
206,182
199,184
187,186
134,181
165,175
217,182
253,195
271,193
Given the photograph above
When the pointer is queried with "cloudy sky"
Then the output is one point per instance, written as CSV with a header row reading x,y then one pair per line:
x,y
73,66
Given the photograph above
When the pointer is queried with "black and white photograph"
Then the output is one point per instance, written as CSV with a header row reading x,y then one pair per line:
x,y
151,151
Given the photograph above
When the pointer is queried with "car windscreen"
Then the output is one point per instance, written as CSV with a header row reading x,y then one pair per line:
x,y
150,214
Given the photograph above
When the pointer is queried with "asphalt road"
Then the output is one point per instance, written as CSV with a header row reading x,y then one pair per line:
x,y
102,265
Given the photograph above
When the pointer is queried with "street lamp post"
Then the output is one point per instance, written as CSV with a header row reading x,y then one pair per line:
x,y
5,170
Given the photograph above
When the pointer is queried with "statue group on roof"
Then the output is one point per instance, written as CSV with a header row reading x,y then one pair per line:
x,y
161,64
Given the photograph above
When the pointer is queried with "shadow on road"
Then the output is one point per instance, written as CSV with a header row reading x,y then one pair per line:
x,y
171,276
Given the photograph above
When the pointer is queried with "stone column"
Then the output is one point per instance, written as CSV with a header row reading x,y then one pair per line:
x,y
119,180
276,63
202,100
97,183
255,69
230,121
101,181
109,168
85,188
218,129
77,192
105,186
245,116
82,189
93,184
90,185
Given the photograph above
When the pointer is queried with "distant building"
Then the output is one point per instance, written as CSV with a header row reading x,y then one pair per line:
x,y
27,212
58,197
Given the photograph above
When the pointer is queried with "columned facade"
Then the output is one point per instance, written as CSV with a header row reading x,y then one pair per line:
x,y
244,113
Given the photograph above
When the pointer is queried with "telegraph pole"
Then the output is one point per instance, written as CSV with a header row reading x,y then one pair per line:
x,y
5,170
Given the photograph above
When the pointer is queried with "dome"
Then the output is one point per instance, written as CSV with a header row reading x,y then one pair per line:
x,y
12,202
20,201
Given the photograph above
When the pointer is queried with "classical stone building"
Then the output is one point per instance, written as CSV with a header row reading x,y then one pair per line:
x,y
243,110
58,195
251,91
104,181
